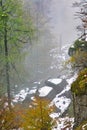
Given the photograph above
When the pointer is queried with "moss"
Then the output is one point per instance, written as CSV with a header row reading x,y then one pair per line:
x,y
78,45
82,126
79,86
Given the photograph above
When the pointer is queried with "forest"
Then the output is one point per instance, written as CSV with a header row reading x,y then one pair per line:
x,y
23,30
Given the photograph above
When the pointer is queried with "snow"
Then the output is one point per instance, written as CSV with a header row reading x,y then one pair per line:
x,y
21,95
71,80
44,91
61,103
55,81
67,88
37,82
32,91
59,59
54,115
62,123
33,98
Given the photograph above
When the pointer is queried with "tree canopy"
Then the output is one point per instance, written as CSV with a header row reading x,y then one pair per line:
x,y
16,29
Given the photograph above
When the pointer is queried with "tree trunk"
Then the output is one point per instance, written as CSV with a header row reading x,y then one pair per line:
x,y
7,65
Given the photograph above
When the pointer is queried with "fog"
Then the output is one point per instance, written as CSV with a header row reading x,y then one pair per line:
x,y
63,20
56,24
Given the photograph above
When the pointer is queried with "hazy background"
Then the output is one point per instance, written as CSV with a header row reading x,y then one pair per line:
x,y
63,20
56,30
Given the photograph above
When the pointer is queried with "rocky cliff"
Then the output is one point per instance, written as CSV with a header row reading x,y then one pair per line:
x,y
79,91
80,108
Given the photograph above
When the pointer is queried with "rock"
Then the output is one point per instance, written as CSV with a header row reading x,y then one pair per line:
x,y
80,109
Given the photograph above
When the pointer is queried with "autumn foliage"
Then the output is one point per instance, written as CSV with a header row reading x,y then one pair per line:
x,y
9,119
37,117
79,86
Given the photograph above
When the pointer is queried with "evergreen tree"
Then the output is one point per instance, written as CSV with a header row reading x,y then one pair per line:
x,y
14,30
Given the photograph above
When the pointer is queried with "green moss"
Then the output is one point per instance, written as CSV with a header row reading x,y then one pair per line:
x,y
79,86
83,126
79,45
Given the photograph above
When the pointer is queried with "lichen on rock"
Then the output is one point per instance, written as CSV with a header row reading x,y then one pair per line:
x,y
79,86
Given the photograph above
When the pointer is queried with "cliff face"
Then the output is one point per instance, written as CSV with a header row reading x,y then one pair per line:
x,y
79,90
80,109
